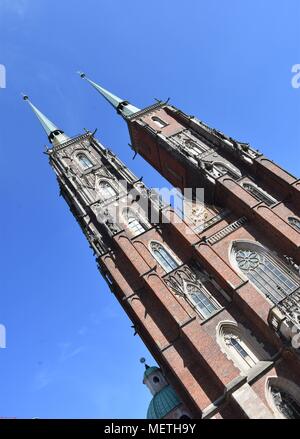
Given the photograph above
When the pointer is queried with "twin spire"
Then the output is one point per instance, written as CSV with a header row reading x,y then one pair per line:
x,y
56,136
123,107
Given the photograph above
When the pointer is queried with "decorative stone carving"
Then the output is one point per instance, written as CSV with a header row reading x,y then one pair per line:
x,y
247,260
112,226
212,221
70,150
195,212
290,308
294,222
74,142
96,242
227,230
178,279
189,144
223,168
243,149
292,263
285,403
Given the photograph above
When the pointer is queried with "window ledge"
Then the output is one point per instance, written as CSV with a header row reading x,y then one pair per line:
x,y
218,311
261,367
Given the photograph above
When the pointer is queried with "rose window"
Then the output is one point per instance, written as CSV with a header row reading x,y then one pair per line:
x,y
247,260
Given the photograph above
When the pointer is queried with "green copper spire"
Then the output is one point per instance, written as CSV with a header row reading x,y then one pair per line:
x,y
55,134
123,107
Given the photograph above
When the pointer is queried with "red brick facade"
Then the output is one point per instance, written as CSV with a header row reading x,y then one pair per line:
x,y
186,346
223,353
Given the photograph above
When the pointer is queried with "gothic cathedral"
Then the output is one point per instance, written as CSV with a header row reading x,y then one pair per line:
x,y
213,293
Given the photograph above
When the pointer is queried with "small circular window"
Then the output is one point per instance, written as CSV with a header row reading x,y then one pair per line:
x,y
155,380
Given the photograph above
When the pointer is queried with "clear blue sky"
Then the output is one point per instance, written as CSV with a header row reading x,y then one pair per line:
x,y
70,349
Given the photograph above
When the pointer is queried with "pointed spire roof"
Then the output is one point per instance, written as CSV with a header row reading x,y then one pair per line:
x,y
48,126
123,107
55,134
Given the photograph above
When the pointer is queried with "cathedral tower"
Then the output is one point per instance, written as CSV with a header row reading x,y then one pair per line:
x,y
231,284
121,219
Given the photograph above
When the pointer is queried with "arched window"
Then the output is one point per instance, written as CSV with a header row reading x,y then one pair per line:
x,y
159,122
294,222
258,193
106,190
184,417
133,222
284,397
264,271
285,403
223,169
237,346
163,257
202,300
84,161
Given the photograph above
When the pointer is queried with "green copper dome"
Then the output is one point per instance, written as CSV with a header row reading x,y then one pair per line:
x,y
162,403
150,370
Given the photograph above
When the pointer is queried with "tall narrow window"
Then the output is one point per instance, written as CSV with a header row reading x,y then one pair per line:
x,y
159,122
135,226
258,193
84,161
133,222
237,346
294,222
203,301
268,275
162,256
106,190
